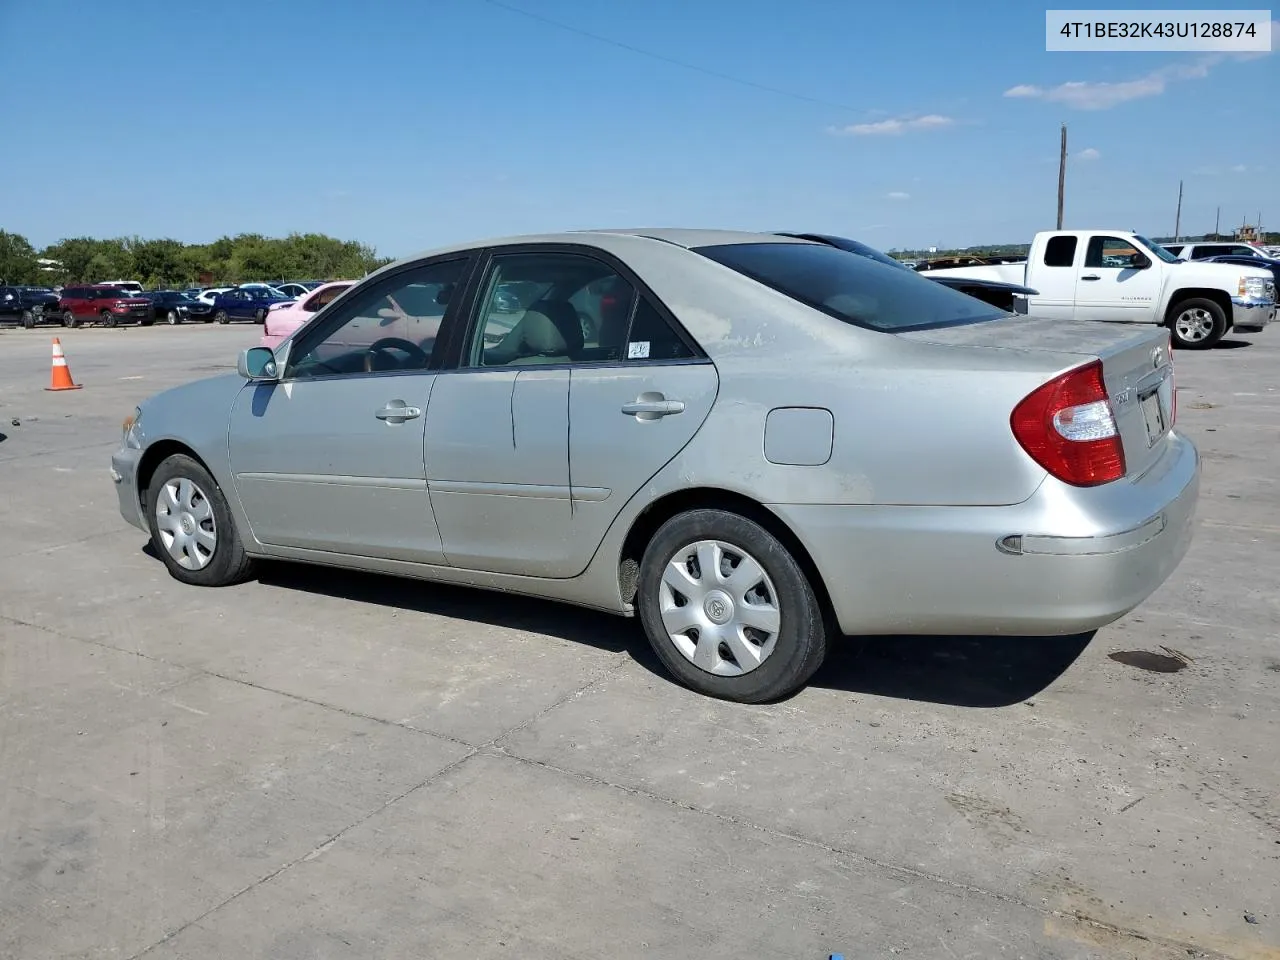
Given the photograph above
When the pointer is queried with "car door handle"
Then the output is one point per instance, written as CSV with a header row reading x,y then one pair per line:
x,y
396,411
653,409
1091,276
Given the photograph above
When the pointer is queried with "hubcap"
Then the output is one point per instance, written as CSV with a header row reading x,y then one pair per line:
x,y
719,608
184,517
1195,324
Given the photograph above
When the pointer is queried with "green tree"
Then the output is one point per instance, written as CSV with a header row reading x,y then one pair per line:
x,y
17,259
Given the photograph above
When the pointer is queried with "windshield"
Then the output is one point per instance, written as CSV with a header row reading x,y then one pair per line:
x,y
851,287
1157,250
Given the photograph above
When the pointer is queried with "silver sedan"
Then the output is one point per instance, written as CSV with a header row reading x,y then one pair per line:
x,y
754,443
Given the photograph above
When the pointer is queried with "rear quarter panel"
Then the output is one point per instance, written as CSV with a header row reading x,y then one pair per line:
x,y
912,424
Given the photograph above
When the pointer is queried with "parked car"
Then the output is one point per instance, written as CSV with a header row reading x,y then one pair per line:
x,y
286,317
29,305
132,287
1267,263
208,294
105,304
175,307
1206,251
1007,296
720,459
1115,275
245,302
293,289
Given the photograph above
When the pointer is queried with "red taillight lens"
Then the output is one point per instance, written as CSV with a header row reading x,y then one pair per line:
x,y
1068,427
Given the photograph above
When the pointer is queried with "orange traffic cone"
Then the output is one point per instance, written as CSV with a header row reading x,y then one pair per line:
x,y
61,373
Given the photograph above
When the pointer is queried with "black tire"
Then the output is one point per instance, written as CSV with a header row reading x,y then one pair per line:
x,y
172,318
107,318
1217,318
803,634
228,563
260,316
68,319
221,317
28,319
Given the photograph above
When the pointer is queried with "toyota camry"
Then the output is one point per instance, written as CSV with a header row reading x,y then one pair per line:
x,y
755,444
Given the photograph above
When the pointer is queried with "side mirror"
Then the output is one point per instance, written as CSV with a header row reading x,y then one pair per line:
x,y
257,363
1140,261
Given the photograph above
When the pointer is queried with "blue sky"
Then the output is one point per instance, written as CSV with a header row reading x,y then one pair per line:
x,y
412,123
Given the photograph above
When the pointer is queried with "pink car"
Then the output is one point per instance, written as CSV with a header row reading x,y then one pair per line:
x,y
285,318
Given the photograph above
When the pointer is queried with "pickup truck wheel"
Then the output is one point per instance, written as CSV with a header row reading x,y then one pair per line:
x,y
28,319
108,319
221,317
1197,324
68,318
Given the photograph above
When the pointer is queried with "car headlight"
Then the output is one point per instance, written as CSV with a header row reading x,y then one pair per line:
x,y
1253,288
130,429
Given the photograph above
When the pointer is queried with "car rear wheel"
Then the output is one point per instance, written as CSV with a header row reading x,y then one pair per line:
x,y
172,317
260,316
28,319
1197,324
191,525
221,317
727,608
68,318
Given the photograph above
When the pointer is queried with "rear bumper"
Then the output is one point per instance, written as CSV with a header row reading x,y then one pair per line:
x,y
1065,561
1251,315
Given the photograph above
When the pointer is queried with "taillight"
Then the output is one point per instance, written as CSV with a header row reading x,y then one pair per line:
x,y
1068,427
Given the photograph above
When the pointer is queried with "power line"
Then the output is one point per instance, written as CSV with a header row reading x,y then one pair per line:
x,y
707,71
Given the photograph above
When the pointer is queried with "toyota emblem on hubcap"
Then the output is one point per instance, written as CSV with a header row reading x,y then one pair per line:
x,y
719,608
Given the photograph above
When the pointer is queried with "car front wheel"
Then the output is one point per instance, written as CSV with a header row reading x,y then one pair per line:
x,y
172,318
221,317
28,319
191,525
727,608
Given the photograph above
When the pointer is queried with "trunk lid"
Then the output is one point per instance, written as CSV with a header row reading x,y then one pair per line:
x,y
1137,366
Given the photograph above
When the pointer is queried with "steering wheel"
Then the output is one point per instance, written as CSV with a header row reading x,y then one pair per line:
x,y
415,352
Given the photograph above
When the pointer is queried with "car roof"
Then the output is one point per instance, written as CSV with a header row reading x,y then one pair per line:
x,y
615,240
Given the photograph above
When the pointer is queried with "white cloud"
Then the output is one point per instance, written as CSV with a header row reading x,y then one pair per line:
x,y
898,195
1088,153
1239,168
895,126
1102,95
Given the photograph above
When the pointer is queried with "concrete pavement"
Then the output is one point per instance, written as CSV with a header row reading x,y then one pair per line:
x,y
322,764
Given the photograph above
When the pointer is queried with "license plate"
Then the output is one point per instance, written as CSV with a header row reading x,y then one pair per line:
x,y
1157,417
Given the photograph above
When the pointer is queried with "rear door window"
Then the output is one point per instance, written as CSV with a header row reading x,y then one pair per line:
x,y
1060,252
850,288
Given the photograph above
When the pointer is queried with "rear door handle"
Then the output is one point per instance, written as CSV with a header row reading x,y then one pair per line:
x,y
1091,276
653,409
396,411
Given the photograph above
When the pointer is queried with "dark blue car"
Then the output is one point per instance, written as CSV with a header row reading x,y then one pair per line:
x,y
245,303
1243,261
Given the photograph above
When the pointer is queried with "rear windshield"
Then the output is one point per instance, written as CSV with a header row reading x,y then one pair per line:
x,y
852,288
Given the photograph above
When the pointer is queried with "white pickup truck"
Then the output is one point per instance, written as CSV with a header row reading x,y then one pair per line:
x,y
1120,276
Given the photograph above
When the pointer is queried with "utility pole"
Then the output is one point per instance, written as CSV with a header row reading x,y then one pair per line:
x,y
1217,222
1177,220
1062,173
